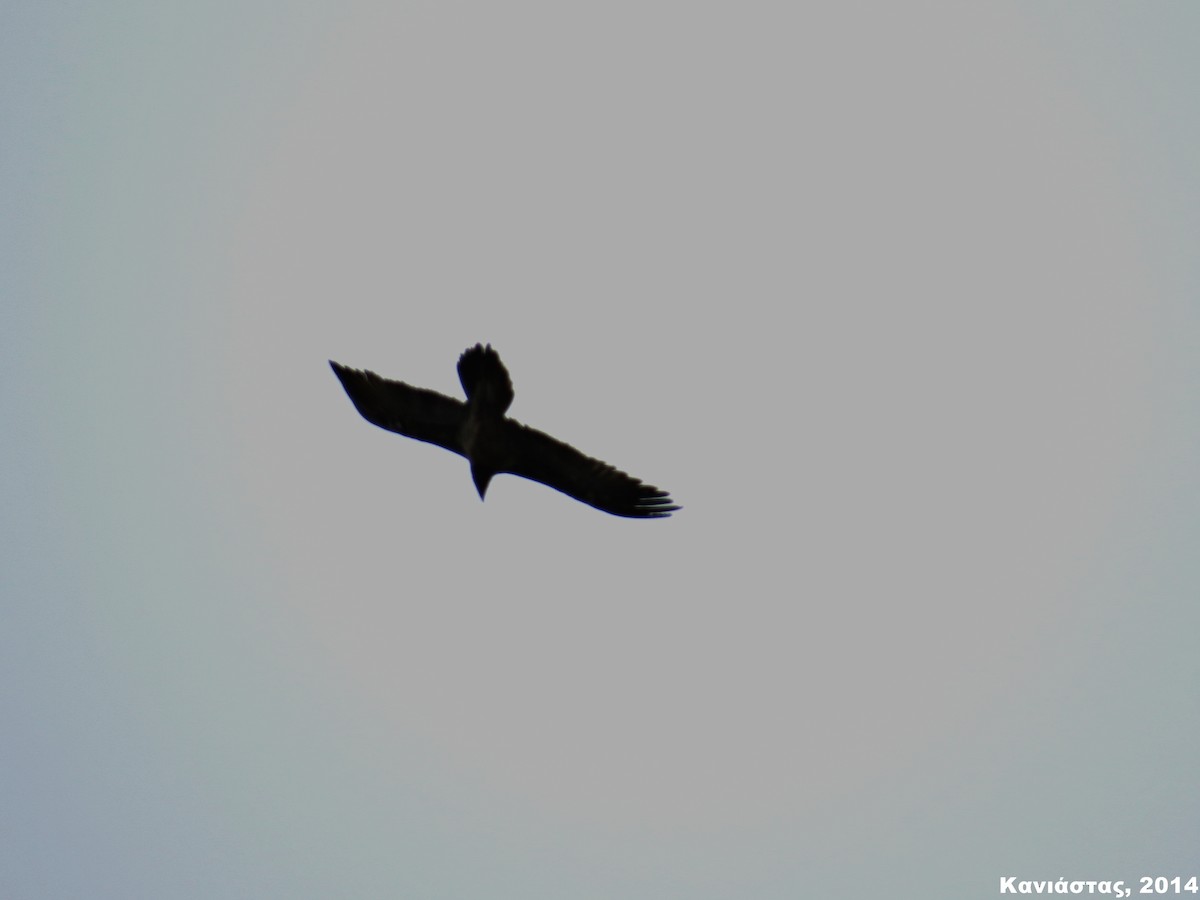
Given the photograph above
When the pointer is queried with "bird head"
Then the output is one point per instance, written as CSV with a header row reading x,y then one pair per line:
x,y
481,477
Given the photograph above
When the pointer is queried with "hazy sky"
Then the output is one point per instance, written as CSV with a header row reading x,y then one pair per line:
x,y
899,301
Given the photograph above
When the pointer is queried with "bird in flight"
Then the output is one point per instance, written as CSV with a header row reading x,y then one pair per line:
x,y
494,443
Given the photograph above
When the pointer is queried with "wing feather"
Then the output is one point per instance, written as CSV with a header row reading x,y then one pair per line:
x,y
535,455
413,412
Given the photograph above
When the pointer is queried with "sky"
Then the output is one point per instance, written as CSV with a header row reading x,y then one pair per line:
x,y
899,302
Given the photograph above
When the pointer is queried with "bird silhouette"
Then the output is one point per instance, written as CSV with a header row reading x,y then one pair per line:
x,y
494,443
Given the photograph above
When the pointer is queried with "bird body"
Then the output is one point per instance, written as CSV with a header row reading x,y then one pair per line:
x,y
484,445
491,441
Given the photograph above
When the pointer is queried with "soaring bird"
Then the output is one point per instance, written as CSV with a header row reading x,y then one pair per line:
x,y
494,443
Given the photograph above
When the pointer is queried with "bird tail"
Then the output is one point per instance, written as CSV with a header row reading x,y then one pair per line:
x,y
484,378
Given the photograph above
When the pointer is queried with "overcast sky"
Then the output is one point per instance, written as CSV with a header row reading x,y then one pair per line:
x,y
898,301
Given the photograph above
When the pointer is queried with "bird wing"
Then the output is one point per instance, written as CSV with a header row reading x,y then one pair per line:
x,y
535,455
413,412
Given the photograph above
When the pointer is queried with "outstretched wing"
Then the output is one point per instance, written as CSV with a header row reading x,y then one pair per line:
x,y
413,412
533,454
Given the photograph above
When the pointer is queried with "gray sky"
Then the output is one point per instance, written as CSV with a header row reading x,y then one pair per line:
x,y
899,304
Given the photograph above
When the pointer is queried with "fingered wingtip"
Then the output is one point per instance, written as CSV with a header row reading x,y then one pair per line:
x,y
655,504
